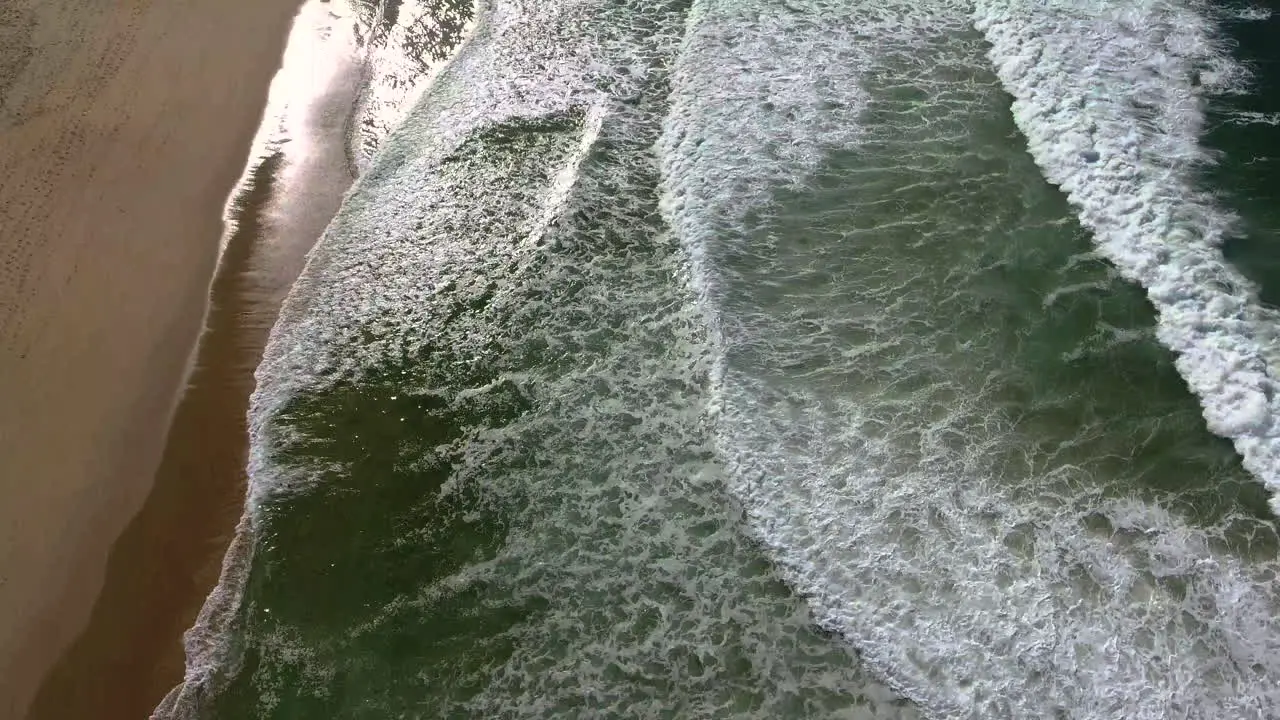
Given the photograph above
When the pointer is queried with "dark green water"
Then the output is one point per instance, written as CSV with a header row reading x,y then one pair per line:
x,y
733,359
1246,130
953,422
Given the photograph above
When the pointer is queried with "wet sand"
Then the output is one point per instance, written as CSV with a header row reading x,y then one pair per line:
x,y
168,558
123,126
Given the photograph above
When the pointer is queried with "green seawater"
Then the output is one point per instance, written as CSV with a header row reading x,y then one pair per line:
x,y
522,515
1245,130
955,421
932,278
658,409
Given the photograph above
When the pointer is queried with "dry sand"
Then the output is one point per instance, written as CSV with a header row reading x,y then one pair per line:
x,y
123,126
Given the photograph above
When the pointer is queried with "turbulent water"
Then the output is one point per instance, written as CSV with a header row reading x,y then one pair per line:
x,y
764,358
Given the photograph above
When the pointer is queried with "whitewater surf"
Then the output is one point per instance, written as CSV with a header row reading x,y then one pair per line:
x,y
742,358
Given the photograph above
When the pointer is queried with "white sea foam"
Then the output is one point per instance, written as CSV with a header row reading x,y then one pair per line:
x,y
1119,81
514,216
980,573
388,87
526,66
401,56
977,589
1249,117
782,80
1247,12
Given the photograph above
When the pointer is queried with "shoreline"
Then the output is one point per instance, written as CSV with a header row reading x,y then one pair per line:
x,y
388,90
121,130
163,566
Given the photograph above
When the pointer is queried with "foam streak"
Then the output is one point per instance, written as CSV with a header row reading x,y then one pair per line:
x,y
1109,97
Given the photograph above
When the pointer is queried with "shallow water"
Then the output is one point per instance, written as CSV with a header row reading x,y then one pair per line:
x,y
736,359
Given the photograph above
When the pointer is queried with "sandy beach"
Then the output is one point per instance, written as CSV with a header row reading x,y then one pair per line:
x,y
168,558
123,126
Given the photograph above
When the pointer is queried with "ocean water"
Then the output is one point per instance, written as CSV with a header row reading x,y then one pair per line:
x,y
404,42
749,358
